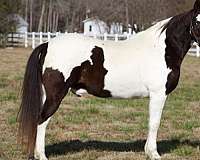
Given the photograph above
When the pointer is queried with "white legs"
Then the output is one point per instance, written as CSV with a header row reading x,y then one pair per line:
x,y
40,141
157,101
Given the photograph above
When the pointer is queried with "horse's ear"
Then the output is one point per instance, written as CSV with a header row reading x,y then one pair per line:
x,y
197,5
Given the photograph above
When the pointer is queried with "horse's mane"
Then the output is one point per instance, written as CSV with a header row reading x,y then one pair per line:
x,y
176,20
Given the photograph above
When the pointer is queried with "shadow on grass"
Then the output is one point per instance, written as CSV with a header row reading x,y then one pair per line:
x,y
164,146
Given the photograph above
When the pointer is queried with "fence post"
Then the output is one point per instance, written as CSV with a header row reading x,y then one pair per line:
x,y
33,40
197,50
41,37
57,34
26,39
12,39
49,36
116,37
105,37
128,36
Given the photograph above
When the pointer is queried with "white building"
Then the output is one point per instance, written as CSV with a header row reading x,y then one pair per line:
x,y
94,26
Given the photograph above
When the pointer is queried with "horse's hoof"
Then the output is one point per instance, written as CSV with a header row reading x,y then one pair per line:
x,y
153,156
40,156
31,158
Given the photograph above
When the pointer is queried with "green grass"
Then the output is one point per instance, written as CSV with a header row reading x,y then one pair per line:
x,y
12,120
184,151
8,96
90,128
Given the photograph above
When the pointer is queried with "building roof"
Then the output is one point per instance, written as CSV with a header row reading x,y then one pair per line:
x,y
96,19
20,21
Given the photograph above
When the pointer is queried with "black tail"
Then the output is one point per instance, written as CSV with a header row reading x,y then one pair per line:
x,y
31,103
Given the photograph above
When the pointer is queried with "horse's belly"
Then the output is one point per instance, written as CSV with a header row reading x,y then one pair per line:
x,y
124,84
120,90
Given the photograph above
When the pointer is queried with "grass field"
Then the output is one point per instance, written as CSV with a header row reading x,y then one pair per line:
x,y
90,128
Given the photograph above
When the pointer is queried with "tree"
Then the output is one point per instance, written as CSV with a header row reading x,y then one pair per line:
x,y
31,15
62,15
7,23
42,16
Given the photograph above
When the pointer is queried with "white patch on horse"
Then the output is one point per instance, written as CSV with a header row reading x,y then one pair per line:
x,y
81,92
198,18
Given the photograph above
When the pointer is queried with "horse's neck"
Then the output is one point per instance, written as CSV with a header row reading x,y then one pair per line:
x,y
178,43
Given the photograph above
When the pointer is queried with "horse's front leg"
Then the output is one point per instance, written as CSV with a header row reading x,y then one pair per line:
x,y
157,101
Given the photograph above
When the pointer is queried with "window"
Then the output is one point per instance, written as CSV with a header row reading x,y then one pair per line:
x,y
90,28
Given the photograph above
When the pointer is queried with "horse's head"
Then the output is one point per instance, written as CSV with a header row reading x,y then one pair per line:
x,y
195,24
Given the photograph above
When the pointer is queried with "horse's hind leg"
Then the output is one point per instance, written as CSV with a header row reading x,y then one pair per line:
x,y
40,141
40,138
55,89
157,101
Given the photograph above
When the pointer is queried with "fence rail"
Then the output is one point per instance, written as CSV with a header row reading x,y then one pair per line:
x,y
35,38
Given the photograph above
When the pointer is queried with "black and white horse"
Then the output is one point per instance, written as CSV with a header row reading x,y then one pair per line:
x,y
146,66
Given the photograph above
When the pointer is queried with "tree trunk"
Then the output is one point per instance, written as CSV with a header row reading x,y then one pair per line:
x,y
71,28
49,26
127,14
56,25
26,10
45,22
40,26
31,16
54,21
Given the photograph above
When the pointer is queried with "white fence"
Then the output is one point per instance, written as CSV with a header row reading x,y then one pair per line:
x,y
195,50
33,39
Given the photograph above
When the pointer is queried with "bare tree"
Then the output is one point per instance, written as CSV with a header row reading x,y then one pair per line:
x,y
40,25
31,16
54,15
26,10
127,14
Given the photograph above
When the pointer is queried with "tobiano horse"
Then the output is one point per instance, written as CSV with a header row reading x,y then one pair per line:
x,y
146,66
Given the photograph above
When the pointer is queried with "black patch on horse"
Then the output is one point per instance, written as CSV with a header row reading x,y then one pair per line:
x,y
92,75
54,84
56,88
178,42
